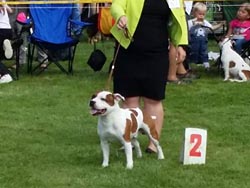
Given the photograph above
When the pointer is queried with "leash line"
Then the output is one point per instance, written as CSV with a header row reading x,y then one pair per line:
x,y
112,67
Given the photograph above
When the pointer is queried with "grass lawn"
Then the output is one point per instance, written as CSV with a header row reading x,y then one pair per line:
x,y
48,138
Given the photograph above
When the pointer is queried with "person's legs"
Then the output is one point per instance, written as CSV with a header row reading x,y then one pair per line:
x,y
172,64
154,108
238,45
131,102
151,107
181,69
204,53
5,76
5,45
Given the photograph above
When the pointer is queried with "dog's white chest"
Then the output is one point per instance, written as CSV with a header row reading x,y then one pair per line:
x,y
112,127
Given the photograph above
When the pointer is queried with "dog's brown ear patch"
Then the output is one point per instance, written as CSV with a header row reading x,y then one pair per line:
x,y
151,123
126,135
232,64
247,73
110,99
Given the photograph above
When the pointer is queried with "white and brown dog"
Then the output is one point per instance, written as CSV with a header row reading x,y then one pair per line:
x,y
235,68
120,124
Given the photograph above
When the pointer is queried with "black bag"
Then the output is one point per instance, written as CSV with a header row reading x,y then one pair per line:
x,y
97,59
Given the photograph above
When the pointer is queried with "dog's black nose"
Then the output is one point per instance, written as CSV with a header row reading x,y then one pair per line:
x,y
91,103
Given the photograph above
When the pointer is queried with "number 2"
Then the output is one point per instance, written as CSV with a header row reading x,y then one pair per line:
x,y
196,139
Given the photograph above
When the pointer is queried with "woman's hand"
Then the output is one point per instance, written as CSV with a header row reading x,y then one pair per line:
x,y
122,22
181,54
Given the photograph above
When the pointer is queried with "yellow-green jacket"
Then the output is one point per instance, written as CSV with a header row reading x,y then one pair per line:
x,y
133,9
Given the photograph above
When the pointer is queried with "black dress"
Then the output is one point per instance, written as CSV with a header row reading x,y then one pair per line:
x,y
142,68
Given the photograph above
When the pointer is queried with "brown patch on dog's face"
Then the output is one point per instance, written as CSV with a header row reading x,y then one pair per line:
x,y
151,123
247,73
126,135
232,64
110,99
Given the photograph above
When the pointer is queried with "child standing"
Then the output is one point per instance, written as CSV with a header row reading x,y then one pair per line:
x,y
240,27
198,35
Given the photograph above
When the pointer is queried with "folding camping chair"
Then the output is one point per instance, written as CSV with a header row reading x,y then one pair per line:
x,y
52,33
245,53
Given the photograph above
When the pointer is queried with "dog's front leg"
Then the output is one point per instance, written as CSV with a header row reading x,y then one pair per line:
x,y
129,154
226,73
105,152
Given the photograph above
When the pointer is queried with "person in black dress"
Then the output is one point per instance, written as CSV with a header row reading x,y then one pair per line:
x,y
141,67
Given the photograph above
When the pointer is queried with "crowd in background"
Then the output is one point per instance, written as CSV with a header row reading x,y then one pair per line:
x,y
179,72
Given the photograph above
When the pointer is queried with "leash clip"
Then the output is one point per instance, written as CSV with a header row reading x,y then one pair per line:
x,y
127,34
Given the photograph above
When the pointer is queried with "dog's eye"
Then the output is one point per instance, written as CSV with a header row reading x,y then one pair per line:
x,y
103,99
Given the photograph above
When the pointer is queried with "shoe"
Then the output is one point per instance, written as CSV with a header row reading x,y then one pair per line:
x,y
188,75
8,51
179,82
44,65
5,79
150,151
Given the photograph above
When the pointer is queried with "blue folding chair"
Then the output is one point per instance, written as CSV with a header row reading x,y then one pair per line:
x,y
52,33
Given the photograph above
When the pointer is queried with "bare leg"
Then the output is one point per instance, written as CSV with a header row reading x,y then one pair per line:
x,y
151,107
175,67
181,69
154,108
172,64
131,102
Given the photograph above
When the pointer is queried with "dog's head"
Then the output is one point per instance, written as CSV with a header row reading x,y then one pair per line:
x,y
104,102
225,41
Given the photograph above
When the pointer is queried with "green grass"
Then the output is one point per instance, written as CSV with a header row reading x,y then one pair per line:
x,y
48,138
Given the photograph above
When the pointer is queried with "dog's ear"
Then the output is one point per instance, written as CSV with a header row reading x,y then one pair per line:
x,y
118,97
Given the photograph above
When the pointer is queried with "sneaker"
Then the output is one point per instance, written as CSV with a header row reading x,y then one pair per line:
x,y
5,79
8,51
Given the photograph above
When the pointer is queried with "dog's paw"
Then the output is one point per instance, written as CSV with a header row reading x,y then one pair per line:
x,y
161,157
104,165
139,155
129,166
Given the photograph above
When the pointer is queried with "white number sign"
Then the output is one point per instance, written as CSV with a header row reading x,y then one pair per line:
x,y
194,146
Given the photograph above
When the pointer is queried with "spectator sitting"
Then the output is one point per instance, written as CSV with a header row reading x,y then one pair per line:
x,y
5,32
240,27
198,35
177,73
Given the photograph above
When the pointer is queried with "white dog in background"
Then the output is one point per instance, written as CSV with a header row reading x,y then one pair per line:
x,y
235,68
115,123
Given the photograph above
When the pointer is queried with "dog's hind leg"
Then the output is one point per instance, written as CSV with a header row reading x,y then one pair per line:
x,y
153,136
136,144
242,76
158,147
